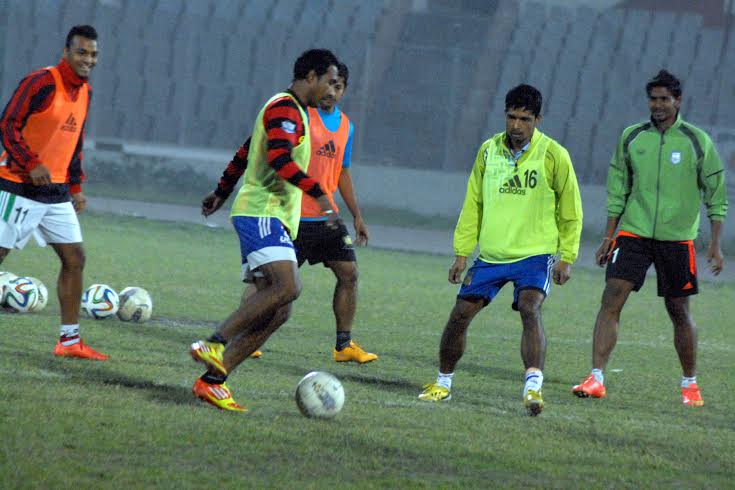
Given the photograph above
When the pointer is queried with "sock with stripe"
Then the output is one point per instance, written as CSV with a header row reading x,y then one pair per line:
x,y
597,373
445,380
534,380
69,334
686,381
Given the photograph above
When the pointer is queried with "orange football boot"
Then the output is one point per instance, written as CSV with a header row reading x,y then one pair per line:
x,y
80,350
219,396
691,396
590,387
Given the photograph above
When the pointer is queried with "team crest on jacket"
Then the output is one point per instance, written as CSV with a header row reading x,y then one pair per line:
x,y
675,157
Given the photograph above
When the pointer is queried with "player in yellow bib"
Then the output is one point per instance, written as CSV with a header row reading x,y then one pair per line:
x,y
522,207
266,216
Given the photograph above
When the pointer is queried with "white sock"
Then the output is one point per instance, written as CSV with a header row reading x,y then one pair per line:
x,y
445,380
597,373
69,334
685,381
534,380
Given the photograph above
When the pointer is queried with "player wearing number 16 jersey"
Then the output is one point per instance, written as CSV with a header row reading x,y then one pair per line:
x,y
42,131
522,207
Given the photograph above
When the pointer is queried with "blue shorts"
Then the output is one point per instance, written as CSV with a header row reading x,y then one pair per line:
x,y
262,240
484,281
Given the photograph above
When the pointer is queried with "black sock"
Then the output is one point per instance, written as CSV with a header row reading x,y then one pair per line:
x,y
213,379
216,337
343,340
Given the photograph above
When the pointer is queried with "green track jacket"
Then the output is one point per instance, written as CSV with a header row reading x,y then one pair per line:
x,y
657,181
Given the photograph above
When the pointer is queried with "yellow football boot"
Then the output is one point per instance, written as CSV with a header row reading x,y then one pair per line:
x,y
353,352
534,402
209,354
434,392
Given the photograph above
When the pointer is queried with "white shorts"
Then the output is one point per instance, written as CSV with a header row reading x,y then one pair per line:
x,y
21,218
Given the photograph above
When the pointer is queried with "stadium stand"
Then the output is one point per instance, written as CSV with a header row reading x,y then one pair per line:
x,y
427,81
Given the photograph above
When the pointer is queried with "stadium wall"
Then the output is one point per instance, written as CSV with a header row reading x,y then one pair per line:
x,y
427,193
427,81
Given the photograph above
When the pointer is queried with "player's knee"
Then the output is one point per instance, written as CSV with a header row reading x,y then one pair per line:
x,y
74,258
529,308
678,309
348,278
463,313
289,293
613,298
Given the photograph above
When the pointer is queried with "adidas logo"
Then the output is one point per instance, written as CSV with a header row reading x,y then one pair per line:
x,y
327,150
513,186
70,124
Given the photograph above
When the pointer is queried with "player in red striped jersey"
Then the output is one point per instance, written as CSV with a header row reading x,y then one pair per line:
x,y
266,215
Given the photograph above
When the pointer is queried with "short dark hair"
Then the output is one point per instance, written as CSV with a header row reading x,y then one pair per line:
x,y
665,79
344,72
318,60
524,97
85,31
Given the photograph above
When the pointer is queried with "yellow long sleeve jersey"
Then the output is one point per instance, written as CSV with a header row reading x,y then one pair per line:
x,y
516,210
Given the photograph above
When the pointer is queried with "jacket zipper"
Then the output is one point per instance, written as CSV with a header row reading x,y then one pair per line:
x,y
658,182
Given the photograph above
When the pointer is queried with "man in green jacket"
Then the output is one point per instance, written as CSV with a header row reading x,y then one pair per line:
x,y
522,207
661,172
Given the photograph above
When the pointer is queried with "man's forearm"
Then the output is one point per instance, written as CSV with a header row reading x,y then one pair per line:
x,y
347,191
612,225
716,229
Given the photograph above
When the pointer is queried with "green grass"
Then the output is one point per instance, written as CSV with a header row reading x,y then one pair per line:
x,y
132,422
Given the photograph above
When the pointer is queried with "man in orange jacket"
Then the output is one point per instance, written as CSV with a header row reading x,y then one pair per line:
x,y
42,131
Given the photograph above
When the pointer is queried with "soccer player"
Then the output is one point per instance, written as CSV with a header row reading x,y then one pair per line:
x,y
42,131
331,135
266,216
522,206
661,172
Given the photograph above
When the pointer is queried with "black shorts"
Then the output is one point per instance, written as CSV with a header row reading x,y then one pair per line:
x,y
318,243
675,263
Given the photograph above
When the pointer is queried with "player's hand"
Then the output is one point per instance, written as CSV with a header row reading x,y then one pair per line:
x,y
603,251
79,201
361,230
561,273
40,175
327,210
211,203
455,272
715,259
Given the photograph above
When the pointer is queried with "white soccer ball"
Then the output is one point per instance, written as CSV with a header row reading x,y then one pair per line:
x,y
100,301
42,295
21,295
5,278
135,305
320,395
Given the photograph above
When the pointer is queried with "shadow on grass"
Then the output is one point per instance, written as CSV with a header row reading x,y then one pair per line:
x,y
86,372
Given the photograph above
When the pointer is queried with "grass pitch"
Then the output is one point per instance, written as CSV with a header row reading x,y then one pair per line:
x,y
132,421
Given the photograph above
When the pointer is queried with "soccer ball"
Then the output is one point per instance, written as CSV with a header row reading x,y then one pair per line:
x,y
21,295
5,278
42,295
100,301
320,395
135,305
